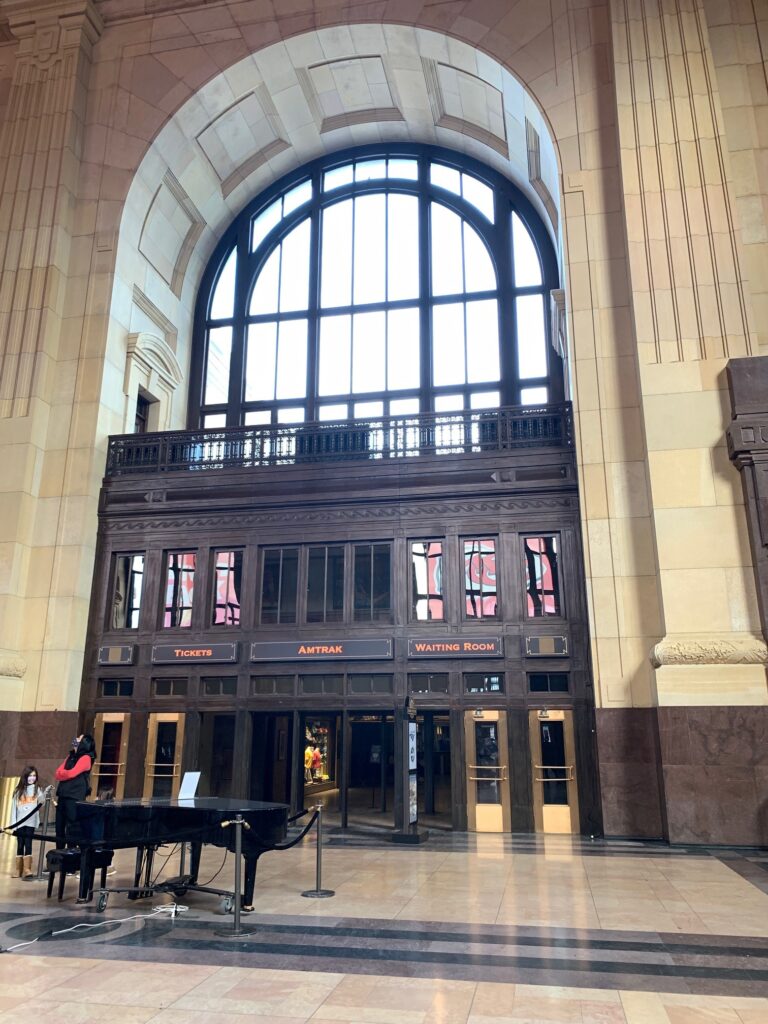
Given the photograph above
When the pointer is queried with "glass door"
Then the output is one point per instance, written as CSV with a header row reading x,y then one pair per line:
x,y
487,747
162,769
553,764
110,731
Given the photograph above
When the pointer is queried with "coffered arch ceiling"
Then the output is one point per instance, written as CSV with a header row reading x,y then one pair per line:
x,y
289,103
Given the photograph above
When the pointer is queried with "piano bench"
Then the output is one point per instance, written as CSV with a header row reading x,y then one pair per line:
x,y
67,862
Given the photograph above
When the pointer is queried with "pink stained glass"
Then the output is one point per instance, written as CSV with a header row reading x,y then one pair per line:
x,y
179,589
227,600
540,576
480,579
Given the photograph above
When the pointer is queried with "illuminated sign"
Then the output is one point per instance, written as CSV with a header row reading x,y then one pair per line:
x,y
120,654
320,650
452,647
172,654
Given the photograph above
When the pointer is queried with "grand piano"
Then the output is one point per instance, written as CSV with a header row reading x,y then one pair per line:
x,y
147,824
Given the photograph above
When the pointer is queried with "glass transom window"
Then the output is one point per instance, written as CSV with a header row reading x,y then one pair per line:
x,y
377,283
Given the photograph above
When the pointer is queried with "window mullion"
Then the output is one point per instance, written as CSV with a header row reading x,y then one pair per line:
x,y
510,389
237,353
313,313
425,308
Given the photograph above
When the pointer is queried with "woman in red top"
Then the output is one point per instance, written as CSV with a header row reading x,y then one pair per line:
x,y
73,776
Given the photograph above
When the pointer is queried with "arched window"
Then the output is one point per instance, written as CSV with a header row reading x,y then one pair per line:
x,y
377,282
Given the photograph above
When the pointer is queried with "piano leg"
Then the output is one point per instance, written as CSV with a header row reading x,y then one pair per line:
x,y
195,852
85,890
249,883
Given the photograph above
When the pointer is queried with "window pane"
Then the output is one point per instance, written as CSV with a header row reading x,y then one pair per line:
x,y
447,262
279,585
337,177
531,340
291,414
294,276
328,413
228,576
217,365
449,403
428,682
297,196
126,592
370,248
264,222
445,177
448,344
534,396
479,682
367,410
368,352
292,359
336,255
261,363
485,400
223,301
372,599
527,266
213,420
179,589
402,247
541,576
479,194
401,168
325,584
335,355
404,407
370,170
403,365
483,341
427,581
480,578
258,417
264,295
479,275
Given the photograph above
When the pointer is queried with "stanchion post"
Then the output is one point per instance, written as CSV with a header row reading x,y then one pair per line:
x,y
318,893
39,877
239,823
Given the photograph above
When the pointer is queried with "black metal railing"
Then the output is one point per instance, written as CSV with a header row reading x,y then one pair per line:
x,y
383,438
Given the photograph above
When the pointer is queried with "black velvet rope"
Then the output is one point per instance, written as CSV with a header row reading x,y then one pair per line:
x,y
16,824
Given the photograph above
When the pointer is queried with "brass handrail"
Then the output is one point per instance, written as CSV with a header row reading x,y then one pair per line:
x,y
567,768
99,765
501,772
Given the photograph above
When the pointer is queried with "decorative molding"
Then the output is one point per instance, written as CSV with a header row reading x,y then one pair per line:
x,y
158,318
709,651
373,107
12,666
303,515
158,250
46,28
444,119
156,355
256,113
533,145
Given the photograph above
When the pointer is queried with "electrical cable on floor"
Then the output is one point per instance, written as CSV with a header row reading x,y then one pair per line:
x,y
226,852
163,865
167,908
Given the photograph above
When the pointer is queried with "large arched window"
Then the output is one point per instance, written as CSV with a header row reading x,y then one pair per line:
x,y
377,282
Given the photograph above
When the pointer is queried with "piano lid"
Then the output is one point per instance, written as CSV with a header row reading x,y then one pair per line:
x,y
224,805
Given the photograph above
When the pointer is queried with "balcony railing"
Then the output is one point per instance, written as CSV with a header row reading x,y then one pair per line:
x,y
393,437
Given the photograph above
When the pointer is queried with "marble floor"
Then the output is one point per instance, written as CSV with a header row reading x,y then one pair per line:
x,y
466,929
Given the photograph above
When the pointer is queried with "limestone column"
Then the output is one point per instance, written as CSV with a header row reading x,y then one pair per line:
x,y
43,589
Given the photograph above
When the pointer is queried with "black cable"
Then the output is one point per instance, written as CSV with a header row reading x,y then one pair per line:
x,y
162,866
226,851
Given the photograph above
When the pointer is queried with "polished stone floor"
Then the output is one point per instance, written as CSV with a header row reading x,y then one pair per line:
x,y
465,929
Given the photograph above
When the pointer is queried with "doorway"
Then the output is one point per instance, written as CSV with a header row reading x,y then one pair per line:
x,y
271,757
553,767
110,731
162,768
216,754
487,773
371,771
433,754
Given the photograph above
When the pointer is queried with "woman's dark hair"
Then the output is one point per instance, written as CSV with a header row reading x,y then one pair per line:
x,y
87,745
21,785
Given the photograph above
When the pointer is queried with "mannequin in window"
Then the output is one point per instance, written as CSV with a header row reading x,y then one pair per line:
x,y
308,763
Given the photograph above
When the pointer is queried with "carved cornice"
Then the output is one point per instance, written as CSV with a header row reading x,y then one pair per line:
x,y
12,666
305,515
709,651
748,438
45,28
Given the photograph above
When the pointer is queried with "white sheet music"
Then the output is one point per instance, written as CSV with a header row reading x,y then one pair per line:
x,y
188,786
